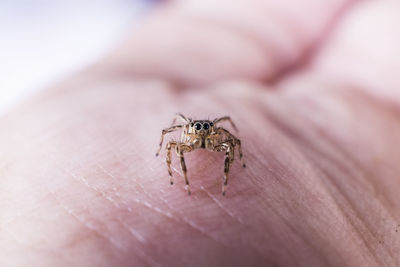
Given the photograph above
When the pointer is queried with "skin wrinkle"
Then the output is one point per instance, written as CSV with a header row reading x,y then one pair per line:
x,y
356,223
19,241
18,215
250,146
308,54
85,182
184,220
139,201
167,214
199,229
264,152
366,169
274,58
80,220
154,65
204,232
311,246
115,189
224,209
300,235
15,238
180,218
281,245
347,170
362,172
188,222
371,66
296,137
322,259
177,219
134,232
357,163
139,252
262,48
296,133
346,214
85,223
92,229
292,230
370,229
317,250
180,73
103,194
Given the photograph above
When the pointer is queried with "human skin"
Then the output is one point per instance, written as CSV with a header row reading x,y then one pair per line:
x,y
313,89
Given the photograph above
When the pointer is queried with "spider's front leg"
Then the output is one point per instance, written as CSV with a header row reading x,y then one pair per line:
x,y
237,142
180,116
164,132
226,118
170,145
180,148
229,157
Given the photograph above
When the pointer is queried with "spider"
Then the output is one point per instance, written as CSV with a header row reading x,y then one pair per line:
x,y
203,134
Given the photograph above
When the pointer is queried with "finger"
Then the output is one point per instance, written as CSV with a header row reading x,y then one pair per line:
x,y
364,51
194,42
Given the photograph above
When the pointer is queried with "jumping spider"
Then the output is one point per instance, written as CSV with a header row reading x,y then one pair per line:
x,y
202,134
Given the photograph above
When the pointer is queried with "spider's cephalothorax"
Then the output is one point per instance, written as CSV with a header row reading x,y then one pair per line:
x,y
202,134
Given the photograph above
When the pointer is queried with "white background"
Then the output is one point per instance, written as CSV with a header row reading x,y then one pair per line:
x,y
42,41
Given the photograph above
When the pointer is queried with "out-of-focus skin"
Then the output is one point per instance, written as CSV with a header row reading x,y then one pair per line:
x,y
312,86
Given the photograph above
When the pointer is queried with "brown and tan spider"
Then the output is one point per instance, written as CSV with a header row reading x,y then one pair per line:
x,y
202,134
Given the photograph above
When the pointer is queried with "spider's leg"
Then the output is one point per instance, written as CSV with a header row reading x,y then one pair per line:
x,y
179,150
226,173
236,142
164,132
229,156
226,118
181,116
239,144
170,145
228,160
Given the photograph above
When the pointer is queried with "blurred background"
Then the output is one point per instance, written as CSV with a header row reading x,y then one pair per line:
x,y
42,41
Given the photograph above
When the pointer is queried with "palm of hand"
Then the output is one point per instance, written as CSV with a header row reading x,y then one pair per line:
x,y
81,185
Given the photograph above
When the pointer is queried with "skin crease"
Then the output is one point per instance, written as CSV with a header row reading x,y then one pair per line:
x,y
80,185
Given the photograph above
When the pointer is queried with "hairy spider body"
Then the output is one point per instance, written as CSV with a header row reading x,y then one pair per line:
x,y
202,134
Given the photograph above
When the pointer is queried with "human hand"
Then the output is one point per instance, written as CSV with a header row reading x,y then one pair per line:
x,y
313,91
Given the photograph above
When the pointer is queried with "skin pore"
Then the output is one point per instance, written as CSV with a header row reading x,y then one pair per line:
x,y
313,94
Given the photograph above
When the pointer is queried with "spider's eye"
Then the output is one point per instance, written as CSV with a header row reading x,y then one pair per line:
x,y
197,126
211,124
206,126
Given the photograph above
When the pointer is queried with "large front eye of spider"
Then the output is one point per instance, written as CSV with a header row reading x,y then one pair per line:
x,y
197,126
206,126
